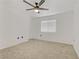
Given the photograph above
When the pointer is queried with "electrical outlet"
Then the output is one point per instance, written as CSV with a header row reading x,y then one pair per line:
x,y
41,35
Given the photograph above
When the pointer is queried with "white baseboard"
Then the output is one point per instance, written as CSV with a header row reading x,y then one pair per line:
x,y
12,44
76,50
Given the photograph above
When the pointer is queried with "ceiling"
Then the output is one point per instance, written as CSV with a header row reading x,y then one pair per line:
x,y
54,6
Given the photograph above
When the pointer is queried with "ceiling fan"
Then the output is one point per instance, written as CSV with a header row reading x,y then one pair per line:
x,y
36,7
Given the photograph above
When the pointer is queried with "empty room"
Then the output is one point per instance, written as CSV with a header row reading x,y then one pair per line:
x,y
39,29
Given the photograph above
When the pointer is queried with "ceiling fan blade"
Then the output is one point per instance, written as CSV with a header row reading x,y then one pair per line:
x,y
28,3
41,2
42,8
30,9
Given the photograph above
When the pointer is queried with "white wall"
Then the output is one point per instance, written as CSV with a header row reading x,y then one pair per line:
x,y
64,29
76,27
14,22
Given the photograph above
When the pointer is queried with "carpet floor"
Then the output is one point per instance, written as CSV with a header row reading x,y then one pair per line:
x,y
38,49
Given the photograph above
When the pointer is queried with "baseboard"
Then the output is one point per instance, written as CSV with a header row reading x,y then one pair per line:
x,y
76,51
69,43
11,45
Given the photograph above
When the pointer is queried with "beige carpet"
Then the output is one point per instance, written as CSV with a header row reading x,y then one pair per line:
x,y
37,49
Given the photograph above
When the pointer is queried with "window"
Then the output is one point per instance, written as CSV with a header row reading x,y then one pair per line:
x,y
48,26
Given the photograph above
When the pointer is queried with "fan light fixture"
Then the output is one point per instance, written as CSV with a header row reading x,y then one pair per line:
x,y
36,10
36,7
